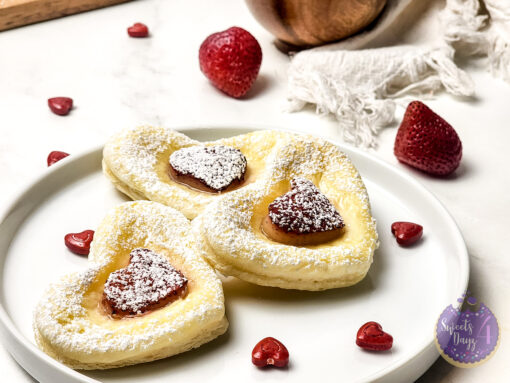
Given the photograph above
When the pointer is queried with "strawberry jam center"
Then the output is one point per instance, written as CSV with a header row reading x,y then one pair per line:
x,y
146,284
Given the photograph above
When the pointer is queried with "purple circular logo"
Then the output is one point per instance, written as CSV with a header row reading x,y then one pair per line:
x,y
468,335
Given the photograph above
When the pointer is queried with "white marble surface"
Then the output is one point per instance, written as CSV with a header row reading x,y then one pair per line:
x,y
117,82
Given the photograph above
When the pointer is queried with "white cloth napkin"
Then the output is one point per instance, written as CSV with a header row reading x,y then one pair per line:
x,y
472,32
361,88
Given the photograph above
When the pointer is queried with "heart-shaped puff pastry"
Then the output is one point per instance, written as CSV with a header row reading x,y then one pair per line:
x,y
137,161
230,235
72,325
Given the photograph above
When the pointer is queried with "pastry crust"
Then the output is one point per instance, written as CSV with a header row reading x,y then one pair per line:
x,y
71,325
231,239
137,163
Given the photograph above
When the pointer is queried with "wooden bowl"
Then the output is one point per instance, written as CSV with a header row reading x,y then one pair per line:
x,y
305,23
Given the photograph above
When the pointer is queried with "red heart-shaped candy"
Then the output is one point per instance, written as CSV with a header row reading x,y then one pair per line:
x,y
372,337
138,30
270,352
60,105
406,233
79,243
55,156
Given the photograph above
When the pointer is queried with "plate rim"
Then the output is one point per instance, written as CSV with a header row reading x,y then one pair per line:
x,y
7,326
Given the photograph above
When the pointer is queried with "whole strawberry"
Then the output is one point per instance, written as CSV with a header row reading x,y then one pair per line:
x,y
231,60
427,142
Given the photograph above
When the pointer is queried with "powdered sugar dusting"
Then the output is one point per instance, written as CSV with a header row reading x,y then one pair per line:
x,y
147,280
137,162
132,157
217,166
226,224
304,209
63,322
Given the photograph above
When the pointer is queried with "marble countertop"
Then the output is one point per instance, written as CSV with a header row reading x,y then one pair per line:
x,y
118,82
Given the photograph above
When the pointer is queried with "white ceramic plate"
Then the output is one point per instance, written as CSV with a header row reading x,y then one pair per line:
x,y
405,290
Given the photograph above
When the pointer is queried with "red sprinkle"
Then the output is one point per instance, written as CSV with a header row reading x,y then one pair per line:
x,y
138,30
55,156
270,352
406,233
79,243
60,105
372,337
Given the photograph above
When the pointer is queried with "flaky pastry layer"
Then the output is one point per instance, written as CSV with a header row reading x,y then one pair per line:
x,y
137,163
71,325
231,239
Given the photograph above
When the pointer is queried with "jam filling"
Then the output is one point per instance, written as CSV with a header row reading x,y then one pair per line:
x,y
208,168
149,282
303,216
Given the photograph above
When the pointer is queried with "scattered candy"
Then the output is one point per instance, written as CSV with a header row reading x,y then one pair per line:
x,y
270,352
406,233
138,30
79,243
60,105
371,337
55,156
